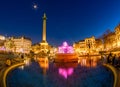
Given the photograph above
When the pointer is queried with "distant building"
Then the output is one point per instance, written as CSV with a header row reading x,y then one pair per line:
x,y
114,41
88,45
18,44
117,37
99,45
2,37
2,41
109,41
80,47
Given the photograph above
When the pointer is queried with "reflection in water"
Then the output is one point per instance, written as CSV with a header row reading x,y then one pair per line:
x,y
61,74
21,67
44,64
65,72
88,62
67,69
27,62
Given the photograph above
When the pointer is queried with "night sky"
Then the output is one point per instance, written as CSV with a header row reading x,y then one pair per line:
x,y
67,20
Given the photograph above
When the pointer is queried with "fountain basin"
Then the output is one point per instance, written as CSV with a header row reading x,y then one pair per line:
x,y
68,57
66,54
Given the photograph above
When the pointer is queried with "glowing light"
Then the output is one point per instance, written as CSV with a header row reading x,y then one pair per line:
x,y
86,62
27,62
43,62
2,48
35,6
65,72
21,50
21,67
2,37
65,44
65,48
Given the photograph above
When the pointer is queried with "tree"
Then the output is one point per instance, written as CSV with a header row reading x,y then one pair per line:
x,y
106,37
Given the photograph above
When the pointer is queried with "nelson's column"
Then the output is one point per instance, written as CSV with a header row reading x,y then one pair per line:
x,y
43,43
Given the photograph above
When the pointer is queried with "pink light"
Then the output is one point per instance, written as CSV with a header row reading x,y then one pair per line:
x,y
65,48
70,71
2,48
65,72
65,44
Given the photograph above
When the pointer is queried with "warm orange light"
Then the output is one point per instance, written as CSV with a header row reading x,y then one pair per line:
x,y
43,62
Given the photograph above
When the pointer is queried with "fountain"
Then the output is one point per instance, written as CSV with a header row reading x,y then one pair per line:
x,y
65,53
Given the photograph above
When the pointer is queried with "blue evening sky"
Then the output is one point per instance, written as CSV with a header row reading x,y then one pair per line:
x,y
67,20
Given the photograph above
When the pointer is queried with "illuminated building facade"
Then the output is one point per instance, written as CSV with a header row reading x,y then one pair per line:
x,y
109,41
117,32
18,44
2,37
88,45
2,40
80,47
112,40
99,45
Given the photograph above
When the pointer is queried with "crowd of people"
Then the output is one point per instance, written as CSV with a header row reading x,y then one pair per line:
x,y
111,58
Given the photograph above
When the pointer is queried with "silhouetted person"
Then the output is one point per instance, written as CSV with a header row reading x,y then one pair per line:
x,y
109,57
119,60
113,59
22,56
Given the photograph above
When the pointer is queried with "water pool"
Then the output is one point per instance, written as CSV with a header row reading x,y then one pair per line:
x,y
60,75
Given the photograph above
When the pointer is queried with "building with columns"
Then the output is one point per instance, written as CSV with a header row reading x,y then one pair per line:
x,y
88,46
2,41
18,44
117,37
